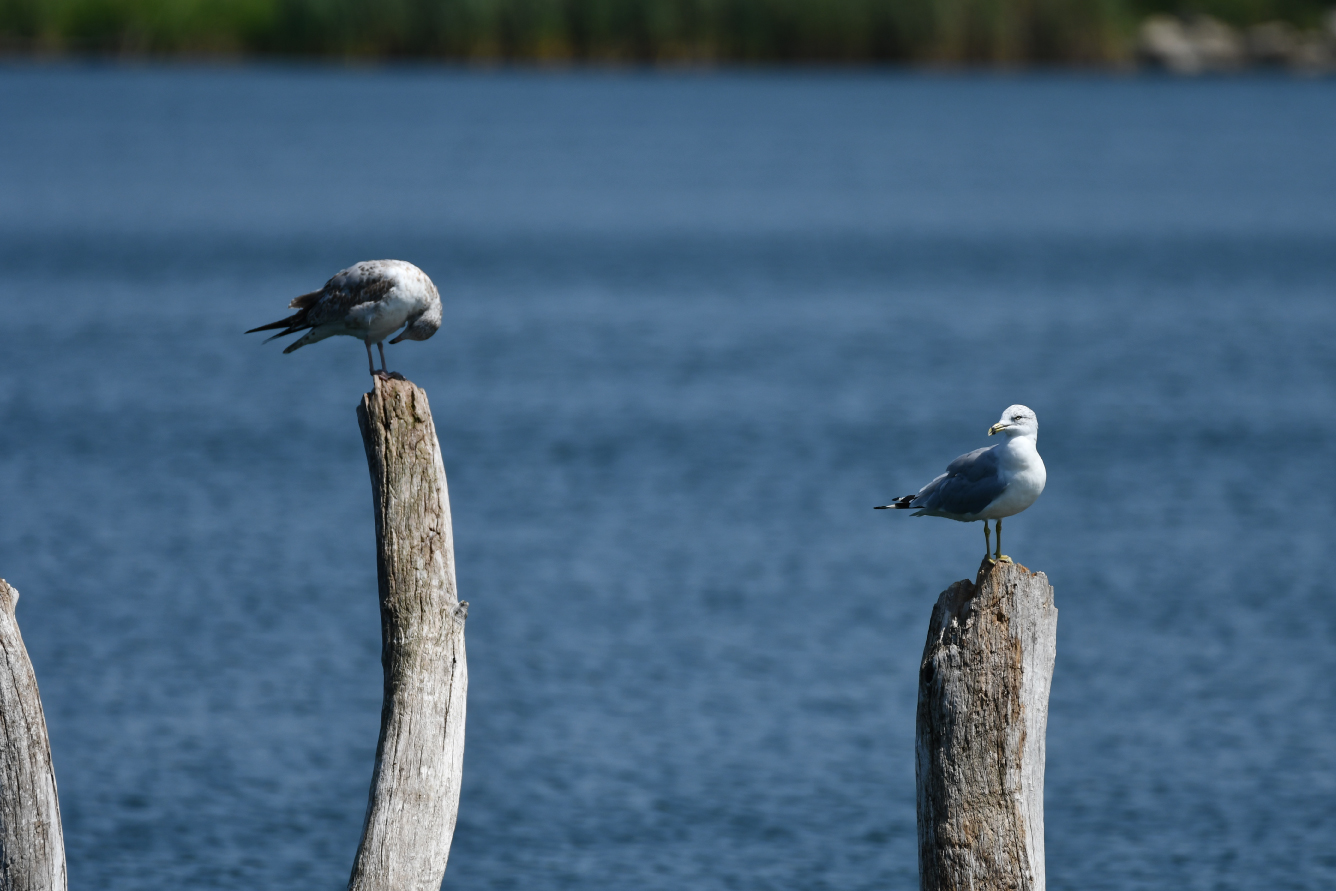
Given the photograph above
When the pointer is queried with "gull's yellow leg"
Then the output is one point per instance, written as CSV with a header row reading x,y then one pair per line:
x,y
987,544
1001,557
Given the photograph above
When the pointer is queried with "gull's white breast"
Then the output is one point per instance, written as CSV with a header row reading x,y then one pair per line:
x,y
1025,478
387,315
409,297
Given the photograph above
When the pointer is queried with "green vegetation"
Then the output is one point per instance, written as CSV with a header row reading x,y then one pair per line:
x,y
925,31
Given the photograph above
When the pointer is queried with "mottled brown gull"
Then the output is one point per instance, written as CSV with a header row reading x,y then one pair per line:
x,y
370,300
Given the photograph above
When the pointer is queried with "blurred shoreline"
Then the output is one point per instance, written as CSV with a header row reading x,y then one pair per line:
x,y
1211,36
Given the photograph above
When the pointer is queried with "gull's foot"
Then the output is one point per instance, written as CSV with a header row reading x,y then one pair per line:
x,y
990,559
383,375
1003,559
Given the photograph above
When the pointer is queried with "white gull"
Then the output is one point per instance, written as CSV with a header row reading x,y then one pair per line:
x,y
987,484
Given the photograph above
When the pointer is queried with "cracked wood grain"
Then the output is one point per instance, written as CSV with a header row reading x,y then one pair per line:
x,y
32,847
414,799
982,715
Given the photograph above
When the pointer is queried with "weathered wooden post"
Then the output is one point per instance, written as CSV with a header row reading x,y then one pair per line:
x,y
32,847
410,817
982,716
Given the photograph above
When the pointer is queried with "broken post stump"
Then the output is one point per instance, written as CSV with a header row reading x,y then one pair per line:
x,y
414,799
982,716
32,847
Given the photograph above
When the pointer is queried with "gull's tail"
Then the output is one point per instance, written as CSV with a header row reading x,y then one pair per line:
x,y
904,502
281,323
295,322
290,325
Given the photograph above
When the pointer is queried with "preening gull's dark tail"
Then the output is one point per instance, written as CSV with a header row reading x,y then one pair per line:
x,y
904,502
294,322
291,325
281,323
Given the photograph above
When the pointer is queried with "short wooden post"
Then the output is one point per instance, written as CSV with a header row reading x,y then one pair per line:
x,y
410,818
982,716
32,847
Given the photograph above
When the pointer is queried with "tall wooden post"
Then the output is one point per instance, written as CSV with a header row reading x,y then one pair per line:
x,y
410,818
982,716
32,847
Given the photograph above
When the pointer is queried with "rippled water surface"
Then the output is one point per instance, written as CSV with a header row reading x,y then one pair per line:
x,y
695,327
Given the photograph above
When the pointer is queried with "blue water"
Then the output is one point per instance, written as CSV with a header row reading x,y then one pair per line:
x,y
696,326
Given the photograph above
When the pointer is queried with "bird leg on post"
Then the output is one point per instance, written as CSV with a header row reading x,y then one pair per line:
x,y
371,363
987,542
1001,557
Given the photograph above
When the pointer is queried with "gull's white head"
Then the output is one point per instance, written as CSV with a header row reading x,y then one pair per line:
x,y
1017,420
428,323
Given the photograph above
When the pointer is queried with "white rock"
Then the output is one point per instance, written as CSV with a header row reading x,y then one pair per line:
x,y
1163,42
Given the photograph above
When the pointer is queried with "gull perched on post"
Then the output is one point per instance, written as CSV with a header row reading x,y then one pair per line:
x,y
370,300
987,484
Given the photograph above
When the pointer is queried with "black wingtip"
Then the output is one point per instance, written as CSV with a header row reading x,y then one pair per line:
x,y
883,507
296,322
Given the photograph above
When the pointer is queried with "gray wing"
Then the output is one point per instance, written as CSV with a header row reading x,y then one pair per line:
x,y
970,484
363,283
